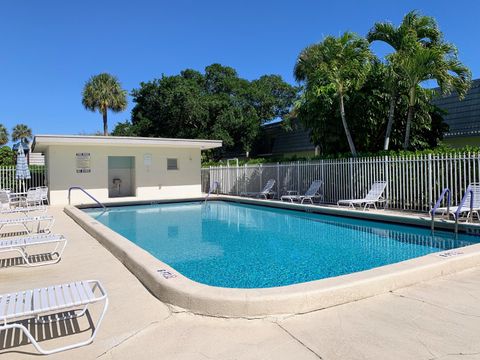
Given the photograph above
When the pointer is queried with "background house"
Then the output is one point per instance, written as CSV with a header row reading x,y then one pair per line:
x,y
462,117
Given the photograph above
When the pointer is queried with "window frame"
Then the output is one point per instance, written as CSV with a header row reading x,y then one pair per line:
x,y
176,164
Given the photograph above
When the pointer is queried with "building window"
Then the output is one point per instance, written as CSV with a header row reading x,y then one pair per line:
x,y
172,164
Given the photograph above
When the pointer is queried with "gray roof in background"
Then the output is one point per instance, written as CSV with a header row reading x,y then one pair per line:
x,y
463,117
296,140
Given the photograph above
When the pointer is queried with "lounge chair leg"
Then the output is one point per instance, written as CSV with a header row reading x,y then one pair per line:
x,y
58,253
69,347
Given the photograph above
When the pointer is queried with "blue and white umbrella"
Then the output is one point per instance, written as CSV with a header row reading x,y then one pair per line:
x,y
22,171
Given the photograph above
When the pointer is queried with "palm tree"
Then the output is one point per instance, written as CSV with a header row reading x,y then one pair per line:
x,y
440,63
340,63
3,135
414,29
22,133
104,92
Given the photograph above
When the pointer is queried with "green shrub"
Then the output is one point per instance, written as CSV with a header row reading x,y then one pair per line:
x,y
7,156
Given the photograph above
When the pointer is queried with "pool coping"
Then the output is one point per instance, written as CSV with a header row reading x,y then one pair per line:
x,y
173,288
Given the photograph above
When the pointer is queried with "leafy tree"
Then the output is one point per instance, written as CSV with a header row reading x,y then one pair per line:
x,y
414,28
3,135
7,156
368,107
104,92
336,64
440,63
21,132
217,104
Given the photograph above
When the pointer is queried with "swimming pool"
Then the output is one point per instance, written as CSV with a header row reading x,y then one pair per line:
x,y
236,245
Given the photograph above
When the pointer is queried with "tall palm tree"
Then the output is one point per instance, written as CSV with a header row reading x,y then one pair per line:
x,y
341,63
414,29
440,63
22,133
3,135
104,92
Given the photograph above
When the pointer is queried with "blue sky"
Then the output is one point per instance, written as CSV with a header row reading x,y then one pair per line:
x,y
48,49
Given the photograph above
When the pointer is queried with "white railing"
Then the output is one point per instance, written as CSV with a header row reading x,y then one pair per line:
x,y
8,181
413,182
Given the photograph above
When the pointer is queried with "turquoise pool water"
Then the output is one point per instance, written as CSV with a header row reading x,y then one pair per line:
x,y
245,246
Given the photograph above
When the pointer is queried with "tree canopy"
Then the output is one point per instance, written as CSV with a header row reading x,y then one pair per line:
x,y
104,92
216,104
3,135
415,30
335,66
21,132
388,100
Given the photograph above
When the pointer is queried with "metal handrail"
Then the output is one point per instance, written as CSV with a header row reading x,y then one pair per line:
x,y
460,206
86,193
214,187
437,205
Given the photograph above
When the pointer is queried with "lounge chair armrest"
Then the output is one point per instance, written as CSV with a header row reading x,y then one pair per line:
x,y
292,192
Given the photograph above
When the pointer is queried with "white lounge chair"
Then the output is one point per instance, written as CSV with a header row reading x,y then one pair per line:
x,y
20,245
472,188
373,196
45,219
5,199
44,194
23,210
267,190
33,197
310,194
55,300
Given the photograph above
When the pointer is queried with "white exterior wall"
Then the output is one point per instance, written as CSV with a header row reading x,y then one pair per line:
x,y
151,183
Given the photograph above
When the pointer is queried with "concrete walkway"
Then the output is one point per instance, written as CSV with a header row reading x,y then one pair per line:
x,y
435,320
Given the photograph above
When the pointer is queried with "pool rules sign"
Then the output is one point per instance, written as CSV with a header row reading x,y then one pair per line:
x,y
83,163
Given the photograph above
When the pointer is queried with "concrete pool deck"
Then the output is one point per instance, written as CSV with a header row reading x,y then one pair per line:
x,y
438,319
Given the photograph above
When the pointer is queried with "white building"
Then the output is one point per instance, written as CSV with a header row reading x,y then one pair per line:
x,y
119,169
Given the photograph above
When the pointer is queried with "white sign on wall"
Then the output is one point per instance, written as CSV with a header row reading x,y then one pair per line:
x,y
83,163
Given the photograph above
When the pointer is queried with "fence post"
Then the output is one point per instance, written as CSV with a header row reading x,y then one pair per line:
x,y
430,182
237,180
478,166
245,177
224,187
298,177
387,179
278,180
261,175
352,195
210,178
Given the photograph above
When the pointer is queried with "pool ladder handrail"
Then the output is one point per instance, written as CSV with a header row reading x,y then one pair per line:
x,y
469,191
86,193
215,186
460,206
445,191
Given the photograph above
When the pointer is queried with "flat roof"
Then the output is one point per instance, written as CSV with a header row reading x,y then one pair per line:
x,y
41,142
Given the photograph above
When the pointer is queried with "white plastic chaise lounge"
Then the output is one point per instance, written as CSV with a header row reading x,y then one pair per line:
x,y
21,245
23,210
475,189
37,303
47,220
11,203
373,196
33,197
267,190
310,194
